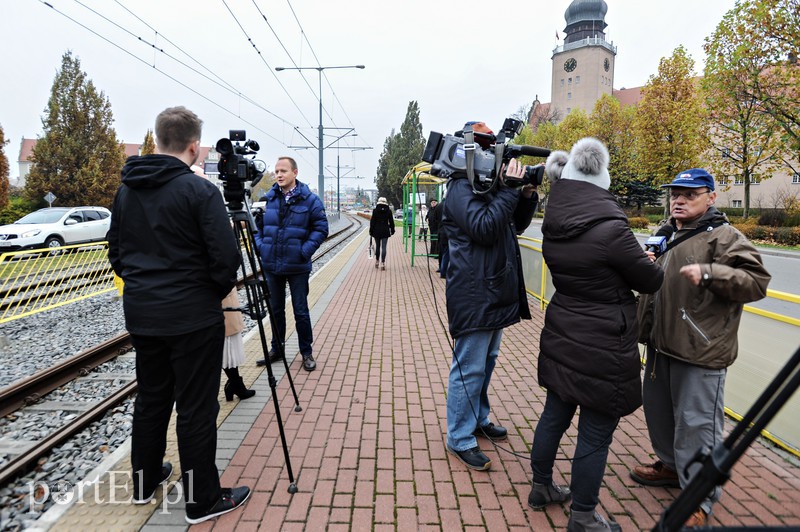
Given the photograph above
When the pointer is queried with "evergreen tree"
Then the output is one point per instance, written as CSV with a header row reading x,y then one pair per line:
x,y
406,151
149,144
4,185
79,157
382,176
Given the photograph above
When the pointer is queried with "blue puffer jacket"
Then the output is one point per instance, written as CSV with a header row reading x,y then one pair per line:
x,y
292,231
485,288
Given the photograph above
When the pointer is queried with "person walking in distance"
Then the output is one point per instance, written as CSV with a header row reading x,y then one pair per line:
x,y
381,227
171,242
588,355
294,226
690,328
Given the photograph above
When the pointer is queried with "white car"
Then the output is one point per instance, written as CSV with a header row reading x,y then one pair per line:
x,y
56,226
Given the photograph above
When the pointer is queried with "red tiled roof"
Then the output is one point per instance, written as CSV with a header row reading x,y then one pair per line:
x,y
628,97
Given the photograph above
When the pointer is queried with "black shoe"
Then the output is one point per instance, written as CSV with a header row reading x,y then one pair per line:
x,y
231,499
472,458
491,431
308,363
166,472
273,355
543,494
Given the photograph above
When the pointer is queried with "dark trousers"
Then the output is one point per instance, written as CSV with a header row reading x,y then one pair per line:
x,y
434,244
298,286
185,370
595,432
380,248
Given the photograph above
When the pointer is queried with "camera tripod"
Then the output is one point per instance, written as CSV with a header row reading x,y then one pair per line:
x,y
717,463
257,308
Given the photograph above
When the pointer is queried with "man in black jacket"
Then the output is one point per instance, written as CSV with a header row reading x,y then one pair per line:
x,y
171,242
485,293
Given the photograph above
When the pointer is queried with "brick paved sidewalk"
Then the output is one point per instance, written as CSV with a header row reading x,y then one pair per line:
x,y
368,449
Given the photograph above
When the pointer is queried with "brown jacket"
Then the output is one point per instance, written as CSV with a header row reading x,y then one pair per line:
x,y
699,324
234,323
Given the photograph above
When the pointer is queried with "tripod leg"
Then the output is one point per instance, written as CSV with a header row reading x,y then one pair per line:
x,y
259,308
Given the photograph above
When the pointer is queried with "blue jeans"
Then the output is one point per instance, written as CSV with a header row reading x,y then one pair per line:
x,y
595,432
298,286
468,399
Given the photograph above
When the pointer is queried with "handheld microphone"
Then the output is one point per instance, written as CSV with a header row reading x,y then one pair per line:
x,y
658,242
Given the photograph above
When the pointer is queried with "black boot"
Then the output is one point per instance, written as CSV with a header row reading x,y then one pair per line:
x,y
235,385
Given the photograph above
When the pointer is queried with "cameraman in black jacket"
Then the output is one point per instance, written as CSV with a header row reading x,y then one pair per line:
x,y
485,293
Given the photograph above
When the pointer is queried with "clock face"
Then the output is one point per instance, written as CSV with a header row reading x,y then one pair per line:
x,y
570,64
606,64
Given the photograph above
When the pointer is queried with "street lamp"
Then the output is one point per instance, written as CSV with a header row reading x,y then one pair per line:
x,y
320,147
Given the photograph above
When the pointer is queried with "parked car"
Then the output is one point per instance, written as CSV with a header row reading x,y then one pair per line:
x,y
56,226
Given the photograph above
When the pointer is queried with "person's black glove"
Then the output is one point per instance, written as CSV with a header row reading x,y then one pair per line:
x,y
258,216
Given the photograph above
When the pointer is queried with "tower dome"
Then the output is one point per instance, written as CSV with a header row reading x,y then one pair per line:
x,y
585,18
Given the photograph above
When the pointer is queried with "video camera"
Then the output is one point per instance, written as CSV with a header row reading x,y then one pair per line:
x,y
236,168
448,156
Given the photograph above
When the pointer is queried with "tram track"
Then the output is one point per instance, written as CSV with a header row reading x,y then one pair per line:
x,y
34,389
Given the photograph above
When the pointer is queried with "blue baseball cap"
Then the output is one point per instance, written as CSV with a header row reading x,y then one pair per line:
x,y
692,178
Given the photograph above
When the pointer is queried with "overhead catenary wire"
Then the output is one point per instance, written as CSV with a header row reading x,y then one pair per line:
x,y
172,77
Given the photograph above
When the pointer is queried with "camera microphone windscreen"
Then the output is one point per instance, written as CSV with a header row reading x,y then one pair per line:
x,y
658,242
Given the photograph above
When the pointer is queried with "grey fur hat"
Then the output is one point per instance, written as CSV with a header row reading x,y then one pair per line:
x,y
555,164
588,161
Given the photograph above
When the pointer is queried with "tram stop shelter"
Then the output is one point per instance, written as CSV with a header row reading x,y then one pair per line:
x,y
419,175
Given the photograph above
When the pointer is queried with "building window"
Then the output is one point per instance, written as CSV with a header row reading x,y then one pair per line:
x,y
562,82
723,180
577,80
569,110
569,81
738,180
736,203
569,96
796,178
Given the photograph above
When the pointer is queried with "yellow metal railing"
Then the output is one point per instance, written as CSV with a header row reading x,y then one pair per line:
x,y
766,342
42,279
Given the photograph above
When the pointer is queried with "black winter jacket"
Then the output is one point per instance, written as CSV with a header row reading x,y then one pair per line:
x,y
381,225
588,350
171,241
485,289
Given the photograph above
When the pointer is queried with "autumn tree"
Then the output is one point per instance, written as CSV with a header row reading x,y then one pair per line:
x,y
574,127
770,44
79,157
4,185
669,120
613,125
744,139
149,144
400,152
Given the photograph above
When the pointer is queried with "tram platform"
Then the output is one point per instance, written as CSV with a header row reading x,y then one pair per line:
x,y
367,450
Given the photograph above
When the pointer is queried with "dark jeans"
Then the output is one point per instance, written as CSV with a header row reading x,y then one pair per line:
x,y
595,432
184,370
298,286
380,248
444,259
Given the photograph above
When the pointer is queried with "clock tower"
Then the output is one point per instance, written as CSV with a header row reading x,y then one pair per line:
x,y
583,67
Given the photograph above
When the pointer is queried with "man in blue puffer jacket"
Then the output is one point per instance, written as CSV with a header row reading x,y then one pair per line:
x,y
294,226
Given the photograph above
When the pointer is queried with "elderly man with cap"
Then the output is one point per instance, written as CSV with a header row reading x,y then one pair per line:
x,y
690,329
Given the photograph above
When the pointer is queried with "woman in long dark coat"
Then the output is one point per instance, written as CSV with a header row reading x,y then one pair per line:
x,y
588,351
381,227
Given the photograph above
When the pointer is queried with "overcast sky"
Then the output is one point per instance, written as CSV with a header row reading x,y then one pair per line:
x,y
460,61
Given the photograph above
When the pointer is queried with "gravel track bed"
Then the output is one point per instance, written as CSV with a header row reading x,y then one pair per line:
x,y
33,344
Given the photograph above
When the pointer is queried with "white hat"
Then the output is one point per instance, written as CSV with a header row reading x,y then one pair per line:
x,y
382,201
588,161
